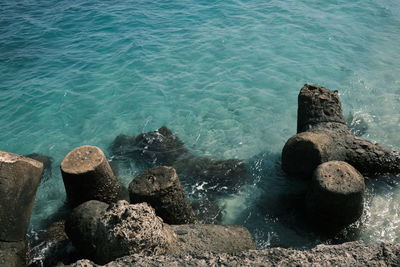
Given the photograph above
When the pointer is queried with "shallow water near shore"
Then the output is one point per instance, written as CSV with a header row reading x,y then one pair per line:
x,y
223,75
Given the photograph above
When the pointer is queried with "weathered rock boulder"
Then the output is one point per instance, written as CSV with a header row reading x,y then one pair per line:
x,y
105,232
336,195
347,254
322,135
160,187
19,179
87,175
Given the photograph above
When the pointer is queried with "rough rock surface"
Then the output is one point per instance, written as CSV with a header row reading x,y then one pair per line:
x,y
104,232
336,194
160,187
322,135
347,254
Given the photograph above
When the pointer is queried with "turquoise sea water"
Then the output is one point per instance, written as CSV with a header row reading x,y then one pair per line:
x,y
223,75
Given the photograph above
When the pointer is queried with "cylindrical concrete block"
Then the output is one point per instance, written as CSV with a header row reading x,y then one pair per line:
x,y
160,187
19,179
303,152
335,198
88,176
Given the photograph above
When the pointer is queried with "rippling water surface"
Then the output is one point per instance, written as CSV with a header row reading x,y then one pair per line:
x,y
223,75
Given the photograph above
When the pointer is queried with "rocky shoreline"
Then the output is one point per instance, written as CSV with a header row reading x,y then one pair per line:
x,y
347,254
153,223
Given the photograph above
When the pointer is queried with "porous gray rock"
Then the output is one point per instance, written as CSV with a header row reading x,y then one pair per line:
x,y
104,233
335,198
160,187
322,135
347,254
19,179
87,175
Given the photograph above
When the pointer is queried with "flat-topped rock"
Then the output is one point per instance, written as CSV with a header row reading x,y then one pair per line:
x,y
87,175
83,159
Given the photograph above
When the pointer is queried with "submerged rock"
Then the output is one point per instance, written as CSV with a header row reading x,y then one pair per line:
x,y
322,135
336,195
87,175
156,148
123,146
347,254
164,148
160,187
216,176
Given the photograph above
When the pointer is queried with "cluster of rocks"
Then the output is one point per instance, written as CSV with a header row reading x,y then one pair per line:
x,y
326,152
211,177
104,225
154,222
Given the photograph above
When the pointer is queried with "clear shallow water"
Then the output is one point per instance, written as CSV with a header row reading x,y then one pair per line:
x,y
223,75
